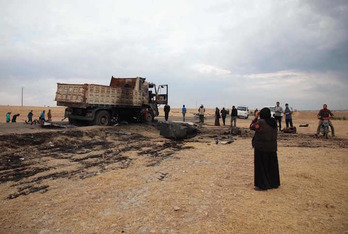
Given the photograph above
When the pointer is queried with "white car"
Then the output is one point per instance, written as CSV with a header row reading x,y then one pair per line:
x,y
242,112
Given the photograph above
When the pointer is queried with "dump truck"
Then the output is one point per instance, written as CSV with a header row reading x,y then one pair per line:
x,y
124,99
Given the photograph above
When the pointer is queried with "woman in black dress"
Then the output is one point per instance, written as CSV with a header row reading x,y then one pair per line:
x,y
266,170
217,117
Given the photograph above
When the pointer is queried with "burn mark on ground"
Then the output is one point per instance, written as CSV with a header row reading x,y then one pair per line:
x,y
29,160
27,190
310,141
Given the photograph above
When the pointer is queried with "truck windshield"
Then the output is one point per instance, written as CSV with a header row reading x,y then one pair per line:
x,y
241,108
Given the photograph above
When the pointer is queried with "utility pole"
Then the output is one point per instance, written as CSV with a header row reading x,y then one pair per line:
x,y
22,96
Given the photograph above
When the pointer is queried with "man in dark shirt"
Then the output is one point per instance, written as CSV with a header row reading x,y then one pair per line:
x,y
234,114
325,113
223,115
166,111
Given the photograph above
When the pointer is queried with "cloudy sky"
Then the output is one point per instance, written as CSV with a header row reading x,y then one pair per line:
x,y
216,53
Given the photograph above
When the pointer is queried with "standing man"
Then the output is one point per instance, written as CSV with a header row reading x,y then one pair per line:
x,y
166,111
30,117
8,117
278,115
234,114
223,115
325,113
183,110
201,111
288,116
49,116
42,117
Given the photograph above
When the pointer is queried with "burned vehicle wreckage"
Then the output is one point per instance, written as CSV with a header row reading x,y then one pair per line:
x,y
131,99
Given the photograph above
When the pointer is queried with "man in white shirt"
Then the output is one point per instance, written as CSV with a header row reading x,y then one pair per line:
x,y
278,110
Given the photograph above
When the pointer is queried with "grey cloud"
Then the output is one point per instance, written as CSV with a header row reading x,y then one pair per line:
x,y
66,41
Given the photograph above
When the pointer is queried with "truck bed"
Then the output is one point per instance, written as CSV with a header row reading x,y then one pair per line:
x,y
93,94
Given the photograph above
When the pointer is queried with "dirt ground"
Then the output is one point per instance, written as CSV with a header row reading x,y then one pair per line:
x,y
129,179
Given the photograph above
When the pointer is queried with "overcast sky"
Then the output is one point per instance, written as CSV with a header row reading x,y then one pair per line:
x,y
216,53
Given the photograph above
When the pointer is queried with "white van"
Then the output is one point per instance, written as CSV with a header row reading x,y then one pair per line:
x,y
242,112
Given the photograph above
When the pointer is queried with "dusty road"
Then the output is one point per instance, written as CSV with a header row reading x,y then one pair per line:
x,y
129,179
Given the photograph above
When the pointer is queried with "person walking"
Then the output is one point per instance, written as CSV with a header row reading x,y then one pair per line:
x,y
223,115
49,116
264,142
30,117
288,116
217,117
325,113
234,114
8,117
278,110
183,110
201,112
166,112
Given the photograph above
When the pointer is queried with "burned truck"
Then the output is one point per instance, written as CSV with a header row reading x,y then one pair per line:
x,y
124,99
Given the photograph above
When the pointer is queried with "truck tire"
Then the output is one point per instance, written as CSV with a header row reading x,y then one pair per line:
x,y
149,117
103,118
71,121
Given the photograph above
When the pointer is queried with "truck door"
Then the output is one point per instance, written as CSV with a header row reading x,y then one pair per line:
x,y
162,94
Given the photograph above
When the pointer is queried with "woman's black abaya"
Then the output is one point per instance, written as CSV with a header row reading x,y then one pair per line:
x,y
266,170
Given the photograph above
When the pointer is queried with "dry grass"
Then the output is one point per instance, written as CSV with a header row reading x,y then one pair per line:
x,y
204,189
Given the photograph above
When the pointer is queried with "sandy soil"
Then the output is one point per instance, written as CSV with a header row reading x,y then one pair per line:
x,y
129,179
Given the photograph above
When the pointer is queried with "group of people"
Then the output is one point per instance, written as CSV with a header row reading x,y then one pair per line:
x,y
30,115
14,117
278,114
223,115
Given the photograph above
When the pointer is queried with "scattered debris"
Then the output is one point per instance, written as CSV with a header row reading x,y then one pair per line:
x,y
53,125
289,130
162,176
176,208
226,142
235,131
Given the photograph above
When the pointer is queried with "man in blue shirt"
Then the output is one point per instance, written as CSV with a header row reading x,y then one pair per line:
x,y
183,110
42,117
288,116
30,117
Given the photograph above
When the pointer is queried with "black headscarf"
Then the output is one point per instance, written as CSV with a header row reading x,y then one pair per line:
x,y
265,114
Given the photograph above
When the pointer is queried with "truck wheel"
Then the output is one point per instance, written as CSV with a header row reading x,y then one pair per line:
x,y
103,118
71,121
149,117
